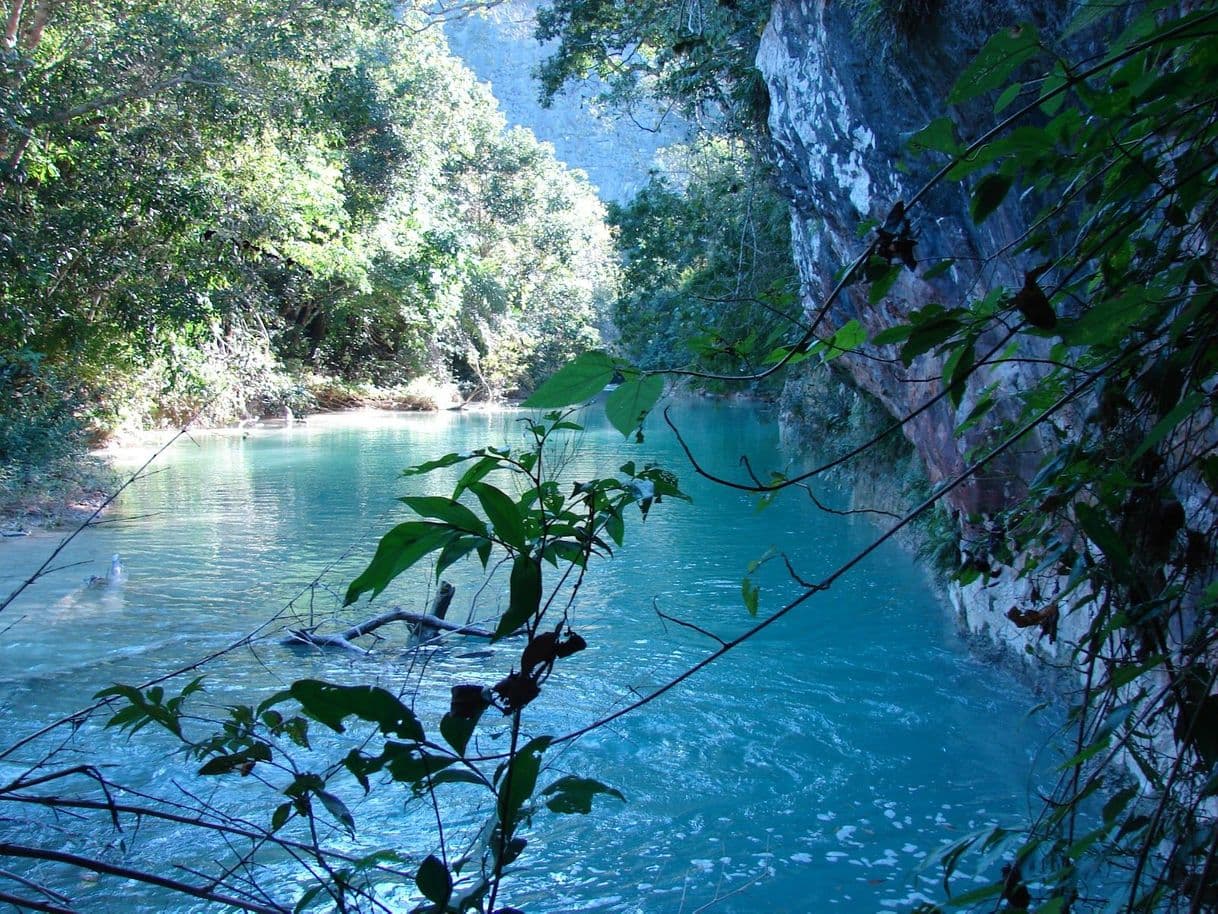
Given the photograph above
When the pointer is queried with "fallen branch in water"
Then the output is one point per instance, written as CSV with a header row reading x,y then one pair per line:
x,y
434,620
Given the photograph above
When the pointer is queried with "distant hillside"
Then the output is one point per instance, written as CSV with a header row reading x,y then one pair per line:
x,y
616,153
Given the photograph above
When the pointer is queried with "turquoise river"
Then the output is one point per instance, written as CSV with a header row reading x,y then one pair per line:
x,y
819,767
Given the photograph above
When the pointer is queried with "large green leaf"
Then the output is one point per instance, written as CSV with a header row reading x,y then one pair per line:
x,y
503,514
332,704
627,406
447,510
521,778
995,62
937,136
848,337
434,881
989,194
525,597
580,379
398,550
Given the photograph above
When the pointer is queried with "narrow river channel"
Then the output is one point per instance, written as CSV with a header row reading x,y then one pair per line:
x,y
818,767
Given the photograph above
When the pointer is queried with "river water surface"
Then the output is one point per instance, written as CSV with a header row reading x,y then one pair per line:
x,y
818,767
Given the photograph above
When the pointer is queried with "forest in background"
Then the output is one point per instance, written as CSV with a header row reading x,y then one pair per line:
x,y
212,212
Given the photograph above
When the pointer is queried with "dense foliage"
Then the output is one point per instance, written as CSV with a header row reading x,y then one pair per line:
x,y
696,57
195,195
707,263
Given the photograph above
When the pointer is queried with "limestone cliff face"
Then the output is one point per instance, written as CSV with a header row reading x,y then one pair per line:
x,y
841,112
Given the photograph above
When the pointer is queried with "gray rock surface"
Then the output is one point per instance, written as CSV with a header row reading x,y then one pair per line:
x,y
841,113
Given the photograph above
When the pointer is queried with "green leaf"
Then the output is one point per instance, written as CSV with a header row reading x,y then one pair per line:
x,y
397,551
503,514
331,704
1009,94
991,190
937,136
1088,13
571,795
408,764
446,461
434,881
848,337
456,776
521,778
525,598
1117,804
1107,322
224,764
896,334
338,809
579,380
446,509
927,336
457,731
1100,532
957,368
476,473
1167,424
940,268
628,406
456,550
995,62
279,818
751,594
615,526
882,283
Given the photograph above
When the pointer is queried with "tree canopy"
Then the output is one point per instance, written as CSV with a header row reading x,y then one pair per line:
x,y
194,196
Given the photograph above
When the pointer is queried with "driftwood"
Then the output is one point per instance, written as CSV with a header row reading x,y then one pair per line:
x,y
433,620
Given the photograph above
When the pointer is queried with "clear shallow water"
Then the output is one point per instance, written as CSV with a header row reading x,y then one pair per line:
x,y
816,767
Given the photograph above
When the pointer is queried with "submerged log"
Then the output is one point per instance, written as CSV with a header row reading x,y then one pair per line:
x,y
433,620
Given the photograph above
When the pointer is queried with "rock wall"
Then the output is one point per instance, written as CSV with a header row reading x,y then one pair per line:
x,y
841,111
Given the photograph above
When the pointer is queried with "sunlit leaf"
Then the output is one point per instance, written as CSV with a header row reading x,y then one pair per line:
x,y
502,512
848,337
628,405
397,551
579,380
